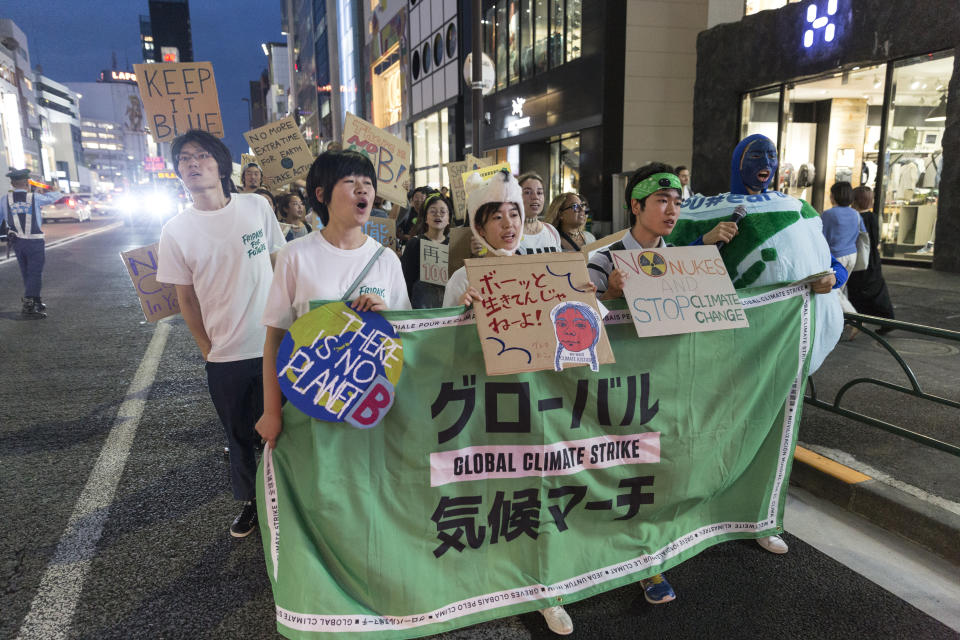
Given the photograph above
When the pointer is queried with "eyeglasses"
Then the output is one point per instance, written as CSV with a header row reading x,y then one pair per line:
x,y
576,207
186,158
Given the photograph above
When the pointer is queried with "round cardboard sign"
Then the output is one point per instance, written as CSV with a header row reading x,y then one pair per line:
x,y
340,365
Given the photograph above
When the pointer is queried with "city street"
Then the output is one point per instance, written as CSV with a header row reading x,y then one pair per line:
x,y
117,495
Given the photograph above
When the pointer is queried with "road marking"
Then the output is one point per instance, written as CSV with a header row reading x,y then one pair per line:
x,y
828,466
848,460
60,243
52,609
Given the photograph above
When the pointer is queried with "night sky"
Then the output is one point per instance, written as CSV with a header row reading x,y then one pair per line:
x,y
74,42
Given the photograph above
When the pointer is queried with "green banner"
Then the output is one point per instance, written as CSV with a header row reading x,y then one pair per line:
x,y
478,498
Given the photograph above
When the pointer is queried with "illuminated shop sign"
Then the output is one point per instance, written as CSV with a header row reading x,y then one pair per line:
x,y
825,24
517,121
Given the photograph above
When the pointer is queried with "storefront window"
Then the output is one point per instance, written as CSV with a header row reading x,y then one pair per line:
x,y
513,16
832,134
502,53
540,35
526,33
564,165
759,113
574,29
556,33
387,89
914,155
431,149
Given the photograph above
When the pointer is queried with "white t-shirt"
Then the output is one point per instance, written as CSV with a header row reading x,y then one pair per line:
x,y
310,268
546,240
225,255
457,285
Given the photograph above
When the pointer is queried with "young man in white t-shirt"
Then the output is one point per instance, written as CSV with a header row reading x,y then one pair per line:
x,y
218,254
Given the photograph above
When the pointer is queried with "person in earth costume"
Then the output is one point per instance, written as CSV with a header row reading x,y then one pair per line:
x,y
780,241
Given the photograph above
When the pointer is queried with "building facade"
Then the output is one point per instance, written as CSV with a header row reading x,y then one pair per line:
x,y
865,91
61,148
20,126
113,132
170,31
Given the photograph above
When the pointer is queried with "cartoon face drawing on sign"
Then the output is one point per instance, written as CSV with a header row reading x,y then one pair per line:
x,y
577,327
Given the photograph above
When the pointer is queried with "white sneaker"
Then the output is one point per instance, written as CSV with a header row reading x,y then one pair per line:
x,y
558,620
773,544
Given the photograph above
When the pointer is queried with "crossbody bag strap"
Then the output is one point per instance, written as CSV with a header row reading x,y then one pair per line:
x,y
363,274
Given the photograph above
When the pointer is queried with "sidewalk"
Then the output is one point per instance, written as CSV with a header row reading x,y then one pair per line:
x,y
905,487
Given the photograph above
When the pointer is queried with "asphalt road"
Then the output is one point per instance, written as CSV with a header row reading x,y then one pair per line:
x,y
150,556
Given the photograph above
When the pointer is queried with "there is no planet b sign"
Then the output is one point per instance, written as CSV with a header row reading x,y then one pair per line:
x,y
340,365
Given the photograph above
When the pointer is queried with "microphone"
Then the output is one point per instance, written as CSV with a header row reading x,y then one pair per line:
x,y
738,214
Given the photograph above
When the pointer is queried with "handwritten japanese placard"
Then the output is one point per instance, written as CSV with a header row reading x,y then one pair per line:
x,y
179,96
383,230
157,299
537,313
672,290
457,191
389,154
281,152
433,262
484,172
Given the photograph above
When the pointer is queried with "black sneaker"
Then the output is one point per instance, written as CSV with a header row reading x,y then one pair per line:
x,y
246,522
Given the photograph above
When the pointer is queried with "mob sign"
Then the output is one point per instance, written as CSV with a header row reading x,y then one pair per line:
x,y
674,290
179,96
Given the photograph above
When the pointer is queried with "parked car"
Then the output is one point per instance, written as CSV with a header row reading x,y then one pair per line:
x,y
66,208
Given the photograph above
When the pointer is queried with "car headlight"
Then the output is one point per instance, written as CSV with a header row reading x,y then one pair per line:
x,y
125,204
159,205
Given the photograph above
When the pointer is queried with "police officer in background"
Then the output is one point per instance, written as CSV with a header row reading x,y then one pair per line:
x,y
20,221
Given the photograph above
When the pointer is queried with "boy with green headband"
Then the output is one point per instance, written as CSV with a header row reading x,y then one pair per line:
x,y
653,197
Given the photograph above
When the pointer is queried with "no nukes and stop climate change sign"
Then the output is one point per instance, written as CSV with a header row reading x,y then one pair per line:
x,y
340,365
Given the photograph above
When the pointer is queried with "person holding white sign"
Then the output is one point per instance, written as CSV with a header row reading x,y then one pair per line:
x,y
434,225
218,252
653,198
340,262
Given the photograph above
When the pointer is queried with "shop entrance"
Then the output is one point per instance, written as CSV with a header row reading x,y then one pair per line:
x,y
830,129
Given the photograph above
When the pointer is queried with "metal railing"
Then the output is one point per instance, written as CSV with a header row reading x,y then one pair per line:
x,y
857,321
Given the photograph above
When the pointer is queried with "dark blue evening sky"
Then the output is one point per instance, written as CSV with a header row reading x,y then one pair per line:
x,y
74,40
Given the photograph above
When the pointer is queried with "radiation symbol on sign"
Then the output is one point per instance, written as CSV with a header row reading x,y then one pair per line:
x,y
652,264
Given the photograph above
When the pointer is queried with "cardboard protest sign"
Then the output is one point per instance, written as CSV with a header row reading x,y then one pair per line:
x,y
598,479
433,262
672,290
389,154
460,247
179,96
340,365
281,151
245,159
537,313
590,248
457,192
157,299
383,230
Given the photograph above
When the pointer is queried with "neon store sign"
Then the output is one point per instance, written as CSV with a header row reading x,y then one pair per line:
x,y
825,23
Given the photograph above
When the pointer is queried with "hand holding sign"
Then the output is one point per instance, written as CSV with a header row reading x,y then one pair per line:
x,y
158,300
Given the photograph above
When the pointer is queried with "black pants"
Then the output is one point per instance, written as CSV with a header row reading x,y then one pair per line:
x,y
237,392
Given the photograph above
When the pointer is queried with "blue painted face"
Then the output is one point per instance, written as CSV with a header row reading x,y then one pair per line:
x,y
758,164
